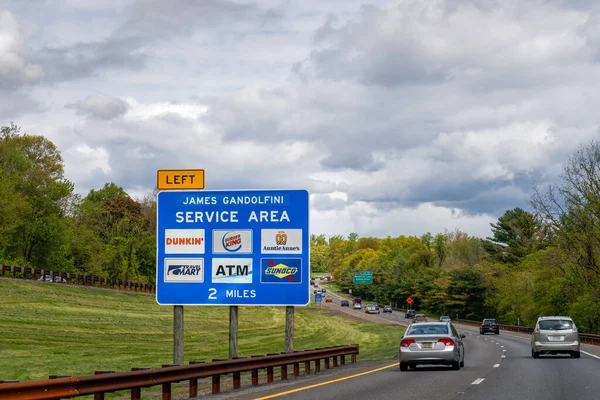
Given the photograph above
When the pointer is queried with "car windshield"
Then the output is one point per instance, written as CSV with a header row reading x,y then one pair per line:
x,y
424,329
556,324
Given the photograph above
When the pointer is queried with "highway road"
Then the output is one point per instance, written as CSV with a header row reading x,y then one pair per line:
x,y
496,367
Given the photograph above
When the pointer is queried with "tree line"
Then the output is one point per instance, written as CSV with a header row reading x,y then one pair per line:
x,y
540,262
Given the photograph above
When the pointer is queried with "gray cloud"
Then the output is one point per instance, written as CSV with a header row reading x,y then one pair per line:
x,y
100,106
410,111
15,67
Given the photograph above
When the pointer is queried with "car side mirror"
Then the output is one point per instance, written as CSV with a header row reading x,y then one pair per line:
x,y
462,336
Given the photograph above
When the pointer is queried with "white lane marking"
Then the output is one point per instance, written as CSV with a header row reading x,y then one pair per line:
x,y
498,344
477,381
502,346
589,354
503,356
496,365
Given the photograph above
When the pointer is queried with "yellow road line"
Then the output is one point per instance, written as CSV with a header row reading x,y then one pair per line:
x,y
325,383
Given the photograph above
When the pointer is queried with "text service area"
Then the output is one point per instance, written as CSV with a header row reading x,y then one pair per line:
x,y
233,248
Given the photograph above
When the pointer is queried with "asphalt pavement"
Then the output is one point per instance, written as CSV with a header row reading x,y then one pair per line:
x,y
496,367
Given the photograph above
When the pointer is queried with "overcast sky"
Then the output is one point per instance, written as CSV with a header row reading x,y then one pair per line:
x,y
399,117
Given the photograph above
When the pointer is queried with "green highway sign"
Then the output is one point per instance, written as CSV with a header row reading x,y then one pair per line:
x,y
364,278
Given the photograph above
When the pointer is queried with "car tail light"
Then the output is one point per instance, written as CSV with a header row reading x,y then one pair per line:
x,y
537,329
495,324
406,342
574,328
446,341
482,324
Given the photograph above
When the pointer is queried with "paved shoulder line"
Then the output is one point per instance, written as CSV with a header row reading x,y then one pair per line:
x,y
325,383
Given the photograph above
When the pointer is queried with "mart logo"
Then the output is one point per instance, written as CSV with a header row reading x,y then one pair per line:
x,y
184,270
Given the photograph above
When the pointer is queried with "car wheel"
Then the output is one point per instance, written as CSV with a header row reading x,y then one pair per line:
x,y
481,332
403,366
497,332
534,354
455,365
576,354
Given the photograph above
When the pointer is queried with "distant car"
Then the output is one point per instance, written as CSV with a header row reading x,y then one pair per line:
x,y
357,306
410,313
555,335
431,343
345,303
312,282
314,292
419,318
489,325
47,278
323,290
372,309
328,299
387,309
445,318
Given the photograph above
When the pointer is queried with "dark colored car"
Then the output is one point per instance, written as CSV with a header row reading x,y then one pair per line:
x,y
387,308
410,313
489,325
345,303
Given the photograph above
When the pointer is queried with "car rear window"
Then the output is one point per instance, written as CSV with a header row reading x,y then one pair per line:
x,y
489,321
556,324
424,329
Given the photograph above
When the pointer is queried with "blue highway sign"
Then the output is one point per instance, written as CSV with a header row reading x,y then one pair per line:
x,y
318,298
233,248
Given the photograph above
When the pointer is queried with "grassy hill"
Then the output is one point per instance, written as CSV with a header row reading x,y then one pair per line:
x,y
50,329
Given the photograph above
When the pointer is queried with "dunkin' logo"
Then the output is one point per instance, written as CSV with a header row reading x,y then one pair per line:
x,y
184,241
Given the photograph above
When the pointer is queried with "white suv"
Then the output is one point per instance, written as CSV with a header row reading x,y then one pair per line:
x,y
555,335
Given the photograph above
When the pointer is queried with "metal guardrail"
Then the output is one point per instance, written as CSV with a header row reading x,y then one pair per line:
x,y
108,381
583,337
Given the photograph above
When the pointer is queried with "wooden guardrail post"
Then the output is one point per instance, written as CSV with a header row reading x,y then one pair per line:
x,y
136,392
254,373
307,367
166,387
100,396
270,369
216,379
13,269
237,379
194,381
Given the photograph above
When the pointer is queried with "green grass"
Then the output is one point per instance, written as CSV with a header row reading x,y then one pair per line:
x,y
48,329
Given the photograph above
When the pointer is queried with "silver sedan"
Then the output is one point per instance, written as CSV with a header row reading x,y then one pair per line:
x,y
432,343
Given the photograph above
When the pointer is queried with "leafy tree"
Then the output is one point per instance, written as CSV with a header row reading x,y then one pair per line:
x,y
516,234
37,194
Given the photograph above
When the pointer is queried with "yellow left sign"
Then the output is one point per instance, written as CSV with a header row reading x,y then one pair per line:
x,y
178,179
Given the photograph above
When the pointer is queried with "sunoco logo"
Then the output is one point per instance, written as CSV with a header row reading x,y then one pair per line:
x,y
232,242
184,270
281,270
